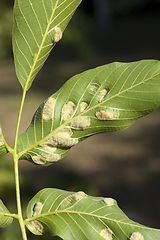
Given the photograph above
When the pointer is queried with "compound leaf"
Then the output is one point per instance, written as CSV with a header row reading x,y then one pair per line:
x,y
38,26
5,220
104,99
77,216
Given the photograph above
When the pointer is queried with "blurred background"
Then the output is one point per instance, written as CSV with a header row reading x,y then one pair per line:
x,y
123,165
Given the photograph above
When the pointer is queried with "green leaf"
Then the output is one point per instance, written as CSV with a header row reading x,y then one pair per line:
x,y
104,99
3,149
78,216
5,220
38,26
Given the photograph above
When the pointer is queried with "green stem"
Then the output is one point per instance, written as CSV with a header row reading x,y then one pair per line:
x,y
13,215
16,170
19,119
19,207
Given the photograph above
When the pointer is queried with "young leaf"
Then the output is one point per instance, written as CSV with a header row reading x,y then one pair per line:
x,y
104,99
38,26
5,220
78,216
3,149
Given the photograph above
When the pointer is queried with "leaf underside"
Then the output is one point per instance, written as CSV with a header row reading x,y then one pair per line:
x,y
105,99
38,25
5,221
78,216
3,149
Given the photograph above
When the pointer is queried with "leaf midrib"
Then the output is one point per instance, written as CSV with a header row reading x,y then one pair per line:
x,y
65,123
40,48
88,214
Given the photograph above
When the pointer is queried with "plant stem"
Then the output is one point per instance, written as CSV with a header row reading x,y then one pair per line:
x,y
19,208
18,120
16,170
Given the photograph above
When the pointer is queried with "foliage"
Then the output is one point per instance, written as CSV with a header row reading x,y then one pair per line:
x,y
105,99
6,20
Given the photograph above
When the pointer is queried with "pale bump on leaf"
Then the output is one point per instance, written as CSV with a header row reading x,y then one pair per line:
x,y
105,99
3,149
136,236
62,138
109,201
83,106
45,155
108,114
35,226
37,208
68,110
71,215
56,34
38,26
80,123
79,195
103,94
5,221
106,234
48,109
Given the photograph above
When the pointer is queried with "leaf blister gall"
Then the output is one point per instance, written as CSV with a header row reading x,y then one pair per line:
x,y
103,94
62,138
52,157
68,111
106,234
80,123
47,155
57,35
67,202
48,109
37,208
36,227
136,236
48,148
38,160
83,106
109,201
109,114
94,88
79,195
